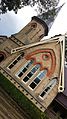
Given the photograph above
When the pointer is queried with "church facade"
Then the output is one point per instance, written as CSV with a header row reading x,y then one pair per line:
x,y
34,66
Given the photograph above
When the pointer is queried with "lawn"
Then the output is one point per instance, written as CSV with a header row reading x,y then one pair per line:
x,y
21,99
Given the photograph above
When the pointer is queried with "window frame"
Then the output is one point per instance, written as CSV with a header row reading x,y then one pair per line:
x,y
32,73
20,70
46,93
39,82
14,61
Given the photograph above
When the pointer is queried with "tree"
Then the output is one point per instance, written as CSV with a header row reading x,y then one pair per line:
x,y
50,15
43,5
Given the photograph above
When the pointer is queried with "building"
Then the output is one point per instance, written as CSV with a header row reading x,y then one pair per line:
x,y
32,32
35,62
58,107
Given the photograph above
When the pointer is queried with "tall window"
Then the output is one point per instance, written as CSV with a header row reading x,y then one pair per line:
x,y
15,61
37,80
48,88
24,68
31,73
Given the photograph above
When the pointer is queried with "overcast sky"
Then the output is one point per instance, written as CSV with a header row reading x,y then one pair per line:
x,y
11,23
60,24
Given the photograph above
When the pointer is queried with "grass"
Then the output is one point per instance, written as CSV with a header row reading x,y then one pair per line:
x,y
21,99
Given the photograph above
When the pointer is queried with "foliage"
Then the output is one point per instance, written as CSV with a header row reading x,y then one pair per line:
x,y
23,102
43,5
48,15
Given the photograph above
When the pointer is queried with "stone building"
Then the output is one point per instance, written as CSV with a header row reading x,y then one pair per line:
x,y
35,67
58,107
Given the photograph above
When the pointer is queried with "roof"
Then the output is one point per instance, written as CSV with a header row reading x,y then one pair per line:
x,y
62,97
4,36
42,23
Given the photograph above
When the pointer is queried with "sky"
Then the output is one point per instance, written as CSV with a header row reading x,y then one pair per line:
x,y
60,24
11,23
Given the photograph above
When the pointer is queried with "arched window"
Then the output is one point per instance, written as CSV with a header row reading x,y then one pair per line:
x,y
12,64
2,56
31,73
24,68
48,88
38,79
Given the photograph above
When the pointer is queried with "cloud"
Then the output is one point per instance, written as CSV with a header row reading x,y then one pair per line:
x,y
11,23
60,24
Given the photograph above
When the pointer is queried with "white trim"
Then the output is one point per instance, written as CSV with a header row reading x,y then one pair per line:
x,y
32,75
38,83
22,68
12,62
53,83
